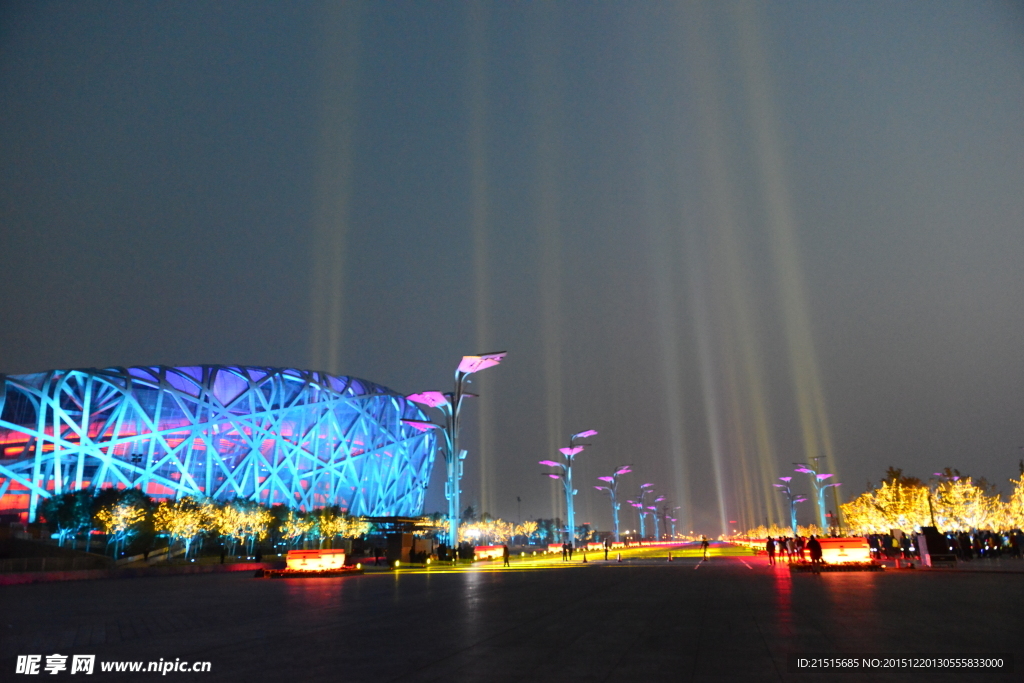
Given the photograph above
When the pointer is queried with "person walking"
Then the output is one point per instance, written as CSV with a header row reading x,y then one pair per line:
x,y
565,552
704,545
504,556
814,548
770,547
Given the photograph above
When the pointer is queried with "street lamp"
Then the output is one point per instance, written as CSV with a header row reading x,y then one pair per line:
x,y
794,498
819,489
654,516
613,482
639,505
565,474
665,510
450,405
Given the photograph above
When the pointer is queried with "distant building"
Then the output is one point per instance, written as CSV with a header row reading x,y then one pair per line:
x,y
304,439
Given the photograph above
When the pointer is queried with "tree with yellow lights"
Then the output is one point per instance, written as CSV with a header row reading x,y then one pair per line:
x,y
229,521
903,507
119,520
526,530
485,532
242,521
183,520
256,524
961,505
296,526
1014,518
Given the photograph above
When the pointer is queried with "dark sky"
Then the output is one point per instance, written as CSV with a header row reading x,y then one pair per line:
x,y
727,236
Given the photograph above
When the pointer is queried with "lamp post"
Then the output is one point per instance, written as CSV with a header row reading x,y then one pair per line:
x,y
613,482
565,474
450,405
819,489
654,516
665,511
645,489
794,498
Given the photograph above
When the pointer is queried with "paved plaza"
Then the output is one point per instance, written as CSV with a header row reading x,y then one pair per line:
x,y
728,619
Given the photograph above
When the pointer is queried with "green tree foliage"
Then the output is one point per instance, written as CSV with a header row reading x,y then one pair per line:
x,y
68,514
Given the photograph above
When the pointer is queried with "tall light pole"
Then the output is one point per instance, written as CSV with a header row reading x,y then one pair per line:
x,y
671,519
613,482
450,404
819,489
654,516
794,498
565,474
645,489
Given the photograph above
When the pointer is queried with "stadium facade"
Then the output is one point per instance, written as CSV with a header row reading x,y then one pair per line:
x,y
304,439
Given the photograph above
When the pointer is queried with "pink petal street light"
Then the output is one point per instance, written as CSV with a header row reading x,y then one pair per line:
x,y
666,511
794,498
565,474
450,405
819,489
612,483
645,490
654,516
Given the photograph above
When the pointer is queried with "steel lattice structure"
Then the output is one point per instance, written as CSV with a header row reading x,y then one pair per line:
x,y
305,439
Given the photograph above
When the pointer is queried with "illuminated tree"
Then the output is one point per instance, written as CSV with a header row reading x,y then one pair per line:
x,y
68,514
526,530
357,526
863,516
489,532
119,521
332,522
328,523
961,505
243,521
1015,507
183,520
903,507
256,521
296,526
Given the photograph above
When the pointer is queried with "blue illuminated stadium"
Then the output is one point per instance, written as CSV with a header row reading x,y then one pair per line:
x,y
305,439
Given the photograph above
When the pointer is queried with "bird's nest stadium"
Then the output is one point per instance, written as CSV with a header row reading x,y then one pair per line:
x,y
272,435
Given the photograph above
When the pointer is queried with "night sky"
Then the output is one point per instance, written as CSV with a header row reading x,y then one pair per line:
x,y
727,236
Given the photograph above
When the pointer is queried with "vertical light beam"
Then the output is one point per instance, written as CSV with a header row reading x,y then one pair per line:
x,y
546,105
339,46
476,25
772,177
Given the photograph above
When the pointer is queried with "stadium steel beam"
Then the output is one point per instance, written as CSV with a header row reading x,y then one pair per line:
x,y
272,435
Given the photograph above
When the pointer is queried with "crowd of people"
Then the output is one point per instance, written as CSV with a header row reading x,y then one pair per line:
x,y
979,544
793,549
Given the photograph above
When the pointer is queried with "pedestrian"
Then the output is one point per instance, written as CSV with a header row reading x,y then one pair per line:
x,y
570,551
814,547
770,547
565,552
704,545
504,556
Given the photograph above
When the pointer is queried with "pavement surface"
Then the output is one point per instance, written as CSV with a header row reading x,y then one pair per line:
x,y
732,618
